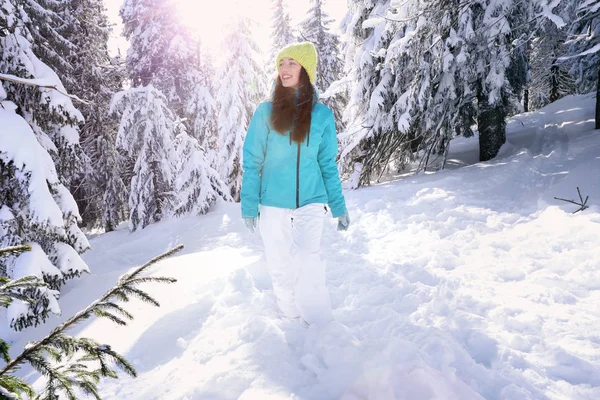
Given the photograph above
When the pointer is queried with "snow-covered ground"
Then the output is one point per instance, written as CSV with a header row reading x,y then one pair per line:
x,y
465,284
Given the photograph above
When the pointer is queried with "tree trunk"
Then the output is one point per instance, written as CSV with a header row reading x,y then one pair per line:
x,y
526,100
554,82
598,100
492,126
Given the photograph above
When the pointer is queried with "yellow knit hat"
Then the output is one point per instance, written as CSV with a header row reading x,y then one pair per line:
x,y
305,54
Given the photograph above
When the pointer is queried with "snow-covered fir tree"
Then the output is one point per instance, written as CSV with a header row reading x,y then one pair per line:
x,y
499,40
202,108
373,95
550,77
584,49
164,65
316,28
113,186
162,51
491,45
282,32
39,148
48,23
111,168
37,209
197,183
518,70
426,71
242,85
55,124
146,133
437,103
477,59
88,31
108,185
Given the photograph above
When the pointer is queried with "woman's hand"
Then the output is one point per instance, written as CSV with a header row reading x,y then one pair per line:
x,y
343,222
251,223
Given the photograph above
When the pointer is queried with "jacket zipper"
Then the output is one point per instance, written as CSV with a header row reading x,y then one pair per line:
x,y
298,178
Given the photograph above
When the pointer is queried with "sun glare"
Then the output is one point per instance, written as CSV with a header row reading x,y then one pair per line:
x,y
213,20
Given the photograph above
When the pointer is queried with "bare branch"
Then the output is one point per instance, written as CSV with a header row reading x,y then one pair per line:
x,y
582,204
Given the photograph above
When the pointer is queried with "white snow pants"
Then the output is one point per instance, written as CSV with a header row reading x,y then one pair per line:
x,y
292,240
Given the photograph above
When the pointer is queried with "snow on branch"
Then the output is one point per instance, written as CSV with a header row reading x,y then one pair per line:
x,y
336,87
41,83
587,52
15,249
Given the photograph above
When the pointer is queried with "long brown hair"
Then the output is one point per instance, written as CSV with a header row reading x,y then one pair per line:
x,y
291,113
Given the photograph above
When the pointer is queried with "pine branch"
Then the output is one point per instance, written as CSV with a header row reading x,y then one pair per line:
x,y
582,203
103,314
116,308
141,295
9,291
151,262
13,386
34,353
123,364
4,347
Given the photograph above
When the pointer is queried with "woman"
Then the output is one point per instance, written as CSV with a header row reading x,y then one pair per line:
x,y
290,170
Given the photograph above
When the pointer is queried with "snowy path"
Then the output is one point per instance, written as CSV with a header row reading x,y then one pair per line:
x,y
466,284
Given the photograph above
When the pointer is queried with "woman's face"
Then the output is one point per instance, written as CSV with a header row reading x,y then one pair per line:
x,y
289,72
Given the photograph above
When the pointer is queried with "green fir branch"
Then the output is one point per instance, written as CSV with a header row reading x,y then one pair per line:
x,y
117,309
150,279
12,289
54,348
141,295
89,387
4,347
55,354
122,296
15,386
108,354
156,259
104,314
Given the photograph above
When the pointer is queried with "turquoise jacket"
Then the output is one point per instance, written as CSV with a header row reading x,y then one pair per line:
x,y
286,174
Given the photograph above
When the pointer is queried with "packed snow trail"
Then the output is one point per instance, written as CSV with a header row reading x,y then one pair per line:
x,y
465,284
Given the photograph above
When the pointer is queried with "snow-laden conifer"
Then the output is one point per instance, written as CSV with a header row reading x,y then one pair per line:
x,y
241,88
146,135
39,153
584,49
197,183
36,209
30,50
94,76
281,28
317,28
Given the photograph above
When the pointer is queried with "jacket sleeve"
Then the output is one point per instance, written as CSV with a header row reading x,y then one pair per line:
x,y
252,161
327,152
